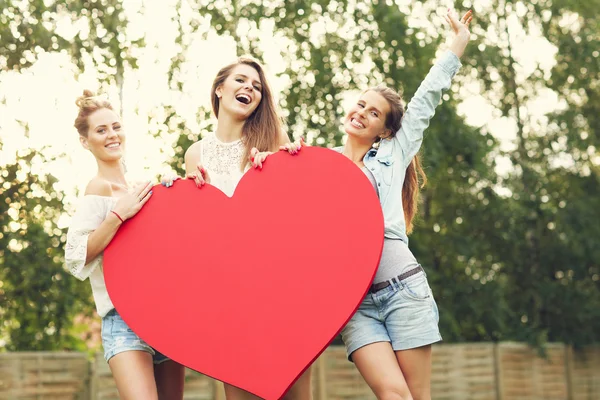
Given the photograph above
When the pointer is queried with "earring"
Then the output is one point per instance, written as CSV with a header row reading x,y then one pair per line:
x,y
377,143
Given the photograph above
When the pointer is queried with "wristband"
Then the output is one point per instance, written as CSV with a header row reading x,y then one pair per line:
x,y
118,216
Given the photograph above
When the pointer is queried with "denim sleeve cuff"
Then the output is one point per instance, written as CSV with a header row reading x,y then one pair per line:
x,y
450,63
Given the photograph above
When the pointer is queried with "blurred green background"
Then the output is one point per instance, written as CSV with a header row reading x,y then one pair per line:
x,y
508,228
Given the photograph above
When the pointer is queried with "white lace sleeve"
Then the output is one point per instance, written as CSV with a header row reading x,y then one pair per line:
x,y
90,213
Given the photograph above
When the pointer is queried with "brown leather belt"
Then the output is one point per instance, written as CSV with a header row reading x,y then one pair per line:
x,y
382,285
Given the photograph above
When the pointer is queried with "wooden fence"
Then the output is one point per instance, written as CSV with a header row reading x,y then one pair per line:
x,y
473,371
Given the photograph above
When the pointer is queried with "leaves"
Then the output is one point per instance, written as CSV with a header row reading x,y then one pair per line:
x,y
508,225
509,240
38,298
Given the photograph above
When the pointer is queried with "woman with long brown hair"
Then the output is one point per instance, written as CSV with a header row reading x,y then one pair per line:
x,y
249,129
389,338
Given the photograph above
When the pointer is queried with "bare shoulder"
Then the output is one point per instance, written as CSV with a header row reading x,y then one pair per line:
x,y
194,149
283,138
99,187
192,155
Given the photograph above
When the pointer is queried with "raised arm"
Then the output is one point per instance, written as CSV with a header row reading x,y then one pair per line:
x,y
421,107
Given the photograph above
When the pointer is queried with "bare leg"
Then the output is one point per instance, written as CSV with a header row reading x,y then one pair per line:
x,y
169,377
134,374
235,393
416,367
301,390
379,367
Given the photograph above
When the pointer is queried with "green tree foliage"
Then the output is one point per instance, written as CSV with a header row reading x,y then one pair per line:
x,y
92,32
38,297
549,256
369,43
171,127
510,257
511,254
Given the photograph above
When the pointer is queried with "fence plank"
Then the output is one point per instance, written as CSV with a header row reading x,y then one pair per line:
x,y
527,376
197,386
33,375
463,371
585,373
472,371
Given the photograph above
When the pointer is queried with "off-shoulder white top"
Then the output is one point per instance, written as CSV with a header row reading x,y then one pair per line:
x,y
91,211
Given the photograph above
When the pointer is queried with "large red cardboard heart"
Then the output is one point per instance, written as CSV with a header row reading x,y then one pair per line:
x,y
250,289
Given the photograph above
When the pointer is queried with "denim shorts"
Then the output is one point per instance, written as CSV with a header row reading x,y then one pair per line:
x,y
117,337
404,314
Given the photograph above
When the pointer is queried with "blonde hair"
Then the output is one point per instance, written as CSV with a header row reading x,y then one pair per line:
x,y
88,103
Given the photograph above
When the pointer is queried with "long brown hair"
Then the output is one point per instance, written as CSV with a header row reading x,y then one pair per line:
x,y
415,176
263,127
88,104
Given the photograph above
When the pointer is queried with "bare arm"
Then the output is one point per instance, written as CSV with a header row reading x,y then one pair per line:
x,y
422,106
283,138
193,165
192,158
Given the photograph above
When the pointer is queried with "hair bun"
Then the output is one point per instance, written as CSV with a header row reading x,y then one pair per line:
x,y
81,99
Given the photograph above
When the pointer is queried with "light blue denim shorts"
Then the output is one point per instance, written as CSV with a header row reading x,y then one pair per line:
x,y
404,314
117,337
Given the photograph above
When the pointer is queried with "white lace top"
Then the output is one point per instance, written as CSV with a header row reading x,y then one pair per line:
x,y
222,162
91,211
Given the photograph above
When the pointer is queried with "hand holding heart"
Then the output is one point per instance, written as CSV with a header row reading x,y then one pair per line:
x,y
190,276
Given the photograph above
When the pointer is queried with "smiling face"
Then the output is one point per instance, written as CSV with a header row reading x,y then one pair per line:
x,y
367,118
240,93
105,137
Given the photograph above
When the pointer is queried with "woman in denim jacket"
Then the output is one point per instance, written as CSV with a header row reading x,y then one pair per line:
x,y
389,338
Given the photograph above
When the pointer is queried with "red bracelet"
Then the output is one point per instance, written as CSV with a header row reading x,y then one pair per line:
x,y
118,216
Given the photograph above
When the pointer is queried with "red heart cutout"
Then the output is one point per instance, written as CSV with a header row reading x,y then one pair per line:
x,y
250,289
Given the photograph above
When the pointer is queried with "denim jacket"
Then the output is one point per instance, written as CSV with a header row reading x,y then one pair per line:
x,y
389,162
